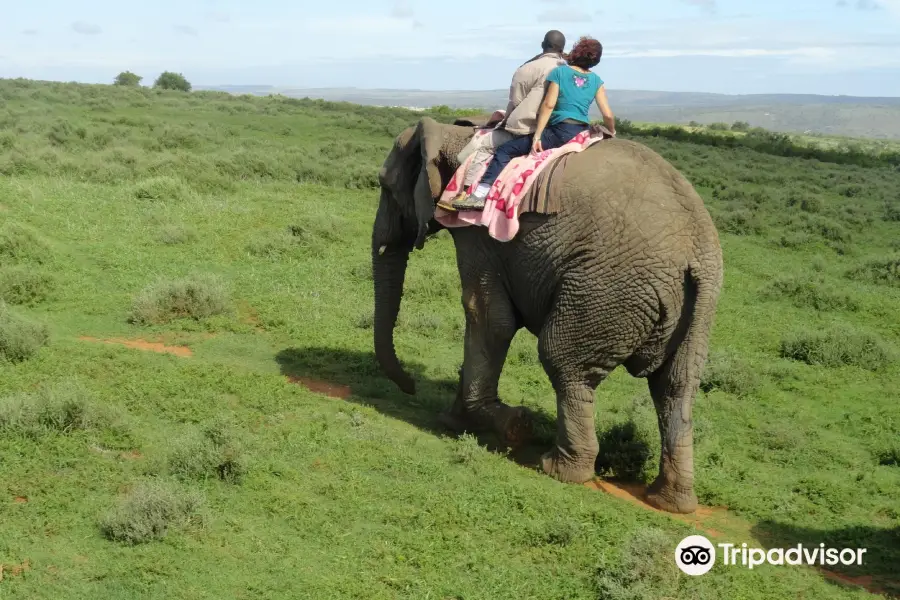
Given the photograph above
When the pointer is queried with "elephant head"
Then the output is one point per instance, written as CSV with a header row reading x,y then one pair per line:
x,y
412,178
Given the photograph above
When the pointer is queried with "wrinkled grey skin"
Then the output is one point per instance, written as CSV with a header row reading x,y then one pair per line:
x,y
627,273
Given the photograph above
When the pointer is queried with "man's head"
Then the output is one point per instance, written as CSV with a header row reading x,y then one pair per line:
x,y
554,41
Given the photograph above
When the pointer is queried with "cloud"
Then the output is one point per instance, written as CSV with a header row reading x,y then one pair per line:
x,y
86,28
30,32
564,15
402,10
707,5
218,17
185,30
868,5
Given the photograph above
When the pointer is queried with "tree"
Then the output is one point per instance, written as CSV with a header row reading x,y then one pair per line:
x,y
719,126
128,78
172,81
740,126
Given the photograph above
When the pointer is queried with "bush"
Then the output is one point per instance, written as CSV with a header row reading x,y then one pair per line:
x,y
214,453
624,451
61,408
160,188
645,570
884,271
740,126
837,348
728,373
149,511
892,212
128,79
172,81
805,202
808,293
20,338
175,234
19,244
20,285
195,297
719,126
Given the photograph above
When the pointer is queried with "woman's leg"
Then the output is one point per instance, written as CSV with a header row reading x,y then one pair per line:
x,y
519,146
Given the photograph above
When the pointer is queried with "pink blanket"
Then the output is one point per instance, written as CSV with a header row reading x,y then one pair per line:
x,y
500,213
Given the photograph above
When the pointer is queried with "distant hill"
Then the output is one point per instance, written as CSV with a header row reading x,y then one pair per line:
x,y
804,113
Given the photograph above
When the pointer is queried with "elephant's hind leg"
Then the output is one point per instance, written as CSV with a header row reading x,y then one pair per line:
x,y
673,388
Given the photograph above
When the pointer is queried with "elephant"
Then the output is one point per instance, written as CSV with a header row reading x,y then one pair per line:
x,y
627,272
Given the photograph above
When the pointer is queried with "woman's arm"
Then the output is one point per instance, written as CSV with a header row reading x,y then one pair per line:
x,y
551,95
603,104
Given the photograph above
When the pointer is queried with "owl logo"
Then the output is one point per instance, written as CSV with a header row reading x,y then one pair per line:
x,y
580,81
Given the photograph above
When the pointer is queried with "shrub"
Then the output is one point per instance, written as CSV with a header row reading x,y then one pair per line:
x,y
160,188
728,373
62,408
214,453
719,126
172,81
836,348
808,293
806,202
624,451
645,570
740,126
19,244
739,222
20,285
149,511
20,338
883,271
175,234
892,211
195,297
127,78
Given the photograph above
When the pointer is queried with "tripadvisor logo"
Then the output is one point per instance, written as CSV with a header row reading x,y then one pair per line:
x,y
696,555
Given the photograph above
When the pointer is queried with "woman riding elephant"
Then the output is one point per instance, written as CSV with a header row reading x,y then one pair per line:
x,y
626,272
570,90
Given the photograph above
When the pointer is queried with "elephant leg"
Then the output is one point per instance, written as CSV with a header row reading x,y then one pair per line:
x,y
673,388
490,328
573,458
576,363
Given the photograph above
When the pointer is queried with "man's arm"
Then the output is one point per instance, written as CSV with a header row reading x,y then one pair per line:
x,y
551,95
609,118
518,89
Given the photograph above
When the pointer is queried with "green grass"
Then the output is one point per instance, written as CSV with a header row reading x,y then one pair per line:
x,y
238,227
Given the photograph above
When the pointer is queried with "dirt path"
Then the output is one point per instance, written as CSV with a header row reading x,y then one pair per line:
x,y
141,344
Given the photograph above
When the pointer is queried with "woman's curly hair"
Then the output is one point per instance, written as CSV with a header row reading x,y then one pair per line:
x,y
585,53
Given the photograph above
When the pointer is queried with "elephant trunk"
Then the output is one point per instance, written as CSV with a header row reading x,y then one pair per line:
x,y
389,271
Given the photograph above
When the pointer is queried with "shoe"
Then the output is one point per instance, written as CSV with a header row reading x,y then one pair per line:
x,y
448,206
470,203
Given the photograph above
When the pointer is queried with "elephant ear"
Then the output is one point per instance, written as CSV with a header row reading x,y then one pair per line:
x,y
412,176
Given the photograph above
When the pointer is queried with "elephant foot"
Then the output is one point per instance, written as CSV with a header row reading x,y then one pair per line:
x,y
671,498
565,471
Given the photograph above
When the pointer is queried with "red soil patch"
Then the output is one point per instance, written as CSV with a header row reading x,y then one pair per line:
x,y
318,386
20,499
14,570
144,345
250,316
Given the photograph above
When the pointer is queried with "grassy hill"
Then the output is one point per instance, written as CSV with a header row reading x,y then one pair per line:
x,y
189,405
877,118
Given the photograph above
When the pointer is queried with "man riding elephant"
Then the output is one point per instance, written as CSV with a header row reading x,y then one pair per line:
x,y
525,95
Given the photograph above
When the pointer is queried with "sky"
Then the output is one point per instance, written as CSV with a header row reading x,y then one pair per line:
x,y
833,47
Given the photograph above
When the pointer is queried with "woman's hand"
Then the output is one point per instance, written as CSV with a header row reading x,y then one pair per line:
x,y
536,147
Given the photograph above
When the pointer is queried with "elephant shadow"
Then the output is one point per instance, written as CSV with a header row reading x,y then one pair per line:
x,y
878,572
354,376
